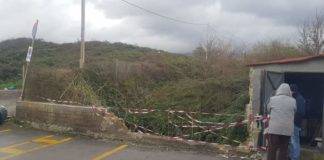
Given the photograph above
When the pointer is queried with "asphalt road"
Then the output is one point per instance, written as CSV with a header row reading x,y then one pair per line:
x,y
27,144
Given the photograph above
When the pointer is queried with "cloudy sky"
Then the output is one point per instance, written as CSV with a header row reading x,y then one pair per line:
x,y
240,21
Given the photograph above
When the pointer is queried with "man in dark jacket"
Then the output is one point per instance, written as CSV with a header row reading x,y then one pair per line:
x,y
300,113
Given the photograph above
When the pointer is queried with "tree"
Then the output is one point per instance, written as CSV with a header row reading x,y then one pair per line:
x,y
311,39
219,57
213,48
272,50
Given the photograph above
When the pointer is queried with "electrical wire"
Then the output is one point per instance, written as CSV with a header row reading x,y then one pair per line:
x,y
207,25
163,16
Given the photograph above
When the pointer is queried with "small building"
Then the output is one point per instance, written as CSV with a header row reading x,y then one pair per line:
x,y
308,74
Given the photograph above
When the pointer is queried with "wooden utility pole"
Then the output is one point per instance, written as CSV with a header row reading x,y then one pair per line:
x,y
82,52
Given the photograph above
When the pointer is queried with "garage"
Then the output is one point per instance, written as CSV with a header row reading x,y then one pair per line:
x,y
308,74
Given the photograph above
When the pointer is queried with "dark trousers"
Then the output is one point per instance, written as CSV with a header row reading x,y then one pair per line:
x,y
278,143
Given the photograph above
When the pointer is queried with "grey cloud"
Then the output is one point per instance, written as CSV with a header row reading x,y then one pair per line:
x,y
290,12
245,21
236,24
18,16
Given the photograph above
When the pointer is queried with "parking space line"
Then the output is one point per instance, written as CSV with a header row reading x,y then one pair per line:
x,y
110,152
7,130
40,143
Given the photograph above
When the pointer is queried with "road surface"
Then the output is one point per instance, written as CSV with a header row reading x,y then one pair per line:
x,y
28,144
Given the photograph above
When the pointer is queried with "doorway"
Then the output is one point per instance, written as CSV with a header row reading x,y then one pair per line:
x,y
311,86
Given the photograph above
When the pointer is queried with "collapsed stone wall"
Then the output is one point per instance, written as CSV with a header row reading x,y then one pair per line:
x,y
87,121
69,118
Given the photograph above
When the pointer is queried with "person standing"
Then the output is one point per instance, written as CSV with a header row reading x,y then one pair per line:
x,y
300,113
282,108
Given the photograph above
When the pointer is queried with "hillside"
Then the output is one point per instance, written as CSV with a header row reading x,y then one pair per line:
x,y
165,76
121,76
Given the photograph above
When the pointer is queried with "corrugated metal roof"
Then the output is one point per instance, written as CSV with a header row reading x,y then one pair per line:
x,y
288,60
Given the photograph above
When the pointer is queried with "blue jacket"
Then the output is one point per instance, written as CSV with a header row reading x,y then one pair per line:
x,y
300,113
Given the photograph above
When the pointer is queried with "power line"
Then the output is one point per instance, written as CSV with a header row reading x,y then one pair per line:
x,y
163,16
209,26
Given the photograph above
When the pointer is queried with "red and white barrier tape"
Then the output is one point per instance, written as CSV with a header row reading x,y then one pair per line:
x,y
207,129
146,111
59,101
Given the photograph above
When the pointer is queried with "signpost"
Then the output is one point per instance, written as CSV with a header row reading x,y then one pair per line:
x,y
28,59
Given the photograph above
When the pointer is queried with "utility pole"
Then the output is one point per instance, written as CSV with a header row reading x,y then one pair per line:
x,y
82,52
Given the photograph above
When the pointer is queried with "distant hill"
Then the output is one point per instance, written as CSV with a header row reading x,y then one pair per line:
x,y
48,54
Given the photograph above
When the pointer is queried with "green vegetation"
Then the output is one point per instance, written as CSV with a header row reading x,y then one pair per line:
x,y
121,77
11,85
